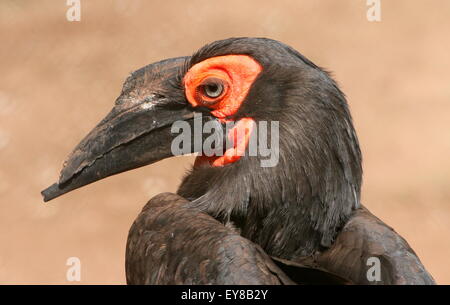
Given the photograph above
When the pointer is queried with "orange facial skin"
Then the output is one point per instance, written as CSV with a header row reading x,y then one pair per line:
x,y
239,136
236,74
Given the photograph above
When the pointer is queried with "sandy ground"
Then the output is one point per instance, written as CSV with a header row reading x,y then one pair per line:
x,y
59,78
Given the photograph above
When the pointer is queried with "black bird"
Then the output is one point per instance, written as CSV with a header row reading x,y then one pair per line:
x,y
232,220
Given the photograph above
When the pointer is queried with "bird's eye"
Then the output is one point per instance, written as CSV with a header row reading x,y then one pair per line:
x,y
212,88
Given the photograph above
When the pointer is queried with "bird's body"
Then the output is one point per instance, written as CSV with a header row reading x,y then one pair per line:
x,y
233,220
163,249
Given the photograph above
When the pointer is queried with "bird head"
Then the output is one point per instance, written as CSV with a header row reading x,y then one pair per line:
x,y
245,81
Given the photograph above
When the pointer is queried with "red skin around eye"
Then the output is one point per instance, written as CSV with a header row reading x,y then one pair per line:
x,y
238,72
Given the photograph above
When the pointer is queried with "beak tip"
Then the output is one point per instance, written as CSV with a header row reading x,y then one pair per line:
x,y
51,192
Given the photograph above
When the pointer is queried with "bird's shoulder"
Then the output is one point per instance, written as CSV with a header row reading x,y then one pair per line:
x,y
366,243
172,243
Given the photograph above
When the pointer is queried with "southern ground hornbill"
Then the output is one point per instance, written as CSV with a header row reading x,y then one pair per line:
x,y
232,220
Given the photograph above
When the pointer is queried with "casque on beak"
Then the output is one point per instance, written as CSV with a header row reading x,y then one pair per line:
x,y
135,133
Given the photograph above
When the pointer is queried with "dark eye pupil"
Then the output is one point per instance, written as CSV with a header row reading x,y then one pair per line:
x,y
213,90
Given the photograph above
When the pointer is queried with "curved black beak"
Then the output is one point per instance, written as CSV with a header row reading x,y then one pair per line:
x,y
135,133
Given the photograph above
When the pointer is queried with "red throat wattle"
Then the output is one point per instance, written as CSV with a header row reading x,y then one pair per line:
x,y
222,83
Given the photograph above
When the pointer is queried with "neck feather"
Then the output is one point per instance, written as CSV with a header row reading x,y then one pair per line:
x,y
298,206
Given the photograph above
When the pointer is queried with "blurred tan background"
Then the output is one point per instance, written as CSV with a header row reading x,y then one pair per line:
x,y
59,78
